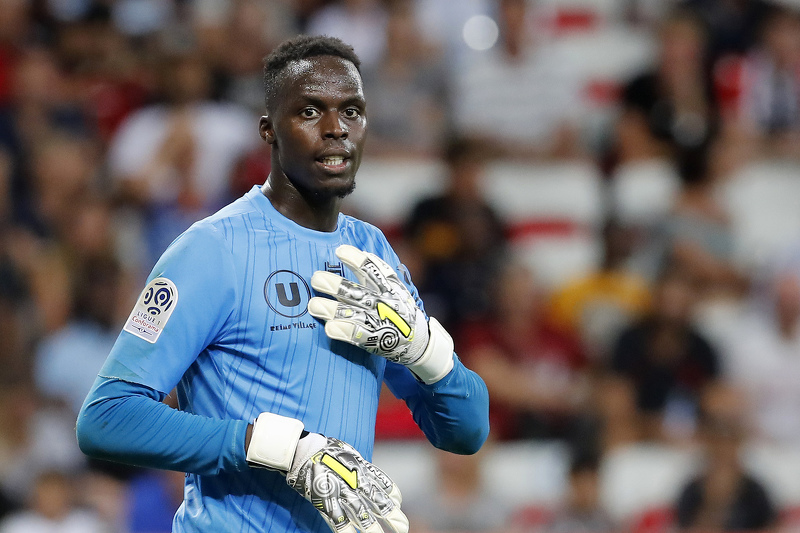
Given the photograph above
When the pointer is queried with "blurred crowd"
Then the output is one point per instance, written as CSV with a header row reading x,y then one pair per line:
x,y
123,121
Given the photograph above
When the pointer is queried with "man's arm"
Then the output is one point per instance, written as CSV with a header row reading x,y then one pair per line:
x,y
453,412
127,422
384,316
175,318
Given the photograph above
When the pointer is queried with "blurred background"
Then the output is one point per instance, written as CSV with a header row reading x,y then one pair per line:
x,y
600,199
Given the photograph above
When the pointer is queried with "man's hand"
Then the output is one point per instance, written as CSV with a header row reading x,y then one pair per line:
x,y
379,314
353,495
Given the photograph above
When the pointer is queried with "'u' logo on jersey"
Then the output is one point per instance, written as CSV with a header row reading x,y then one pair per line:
x,y
288,302
287,293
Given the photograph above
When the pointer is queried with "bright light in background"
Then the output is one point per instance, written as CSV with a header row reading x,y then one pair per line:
x,y
480,32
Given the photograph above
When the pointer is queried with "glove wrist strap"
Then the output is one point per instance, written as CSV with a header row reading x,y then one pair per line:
x,y
437,359
274,441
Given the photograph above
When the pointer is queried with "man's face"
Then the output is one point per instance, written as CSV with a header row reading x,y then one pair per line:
x,y
318,125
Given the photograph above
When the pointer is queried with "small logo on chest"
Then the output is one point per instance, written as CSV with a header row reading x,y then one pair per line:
x,y
336,268
287,293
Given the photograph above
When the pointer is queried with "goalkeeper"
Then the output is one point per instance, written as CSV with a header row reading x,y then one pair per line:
x,y
277,319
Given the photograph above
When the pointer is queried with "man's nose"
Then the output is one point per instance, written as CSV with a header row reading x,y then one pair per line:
x,y
333,127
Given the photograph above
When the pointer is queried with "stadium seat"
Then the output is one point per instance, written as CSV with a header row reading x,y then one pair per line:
x,y
643,192
763,200
546,192
556,260
778,467
644,476
410,464
605,59
387,189
579,15
654,520
554,211
519,473
527,472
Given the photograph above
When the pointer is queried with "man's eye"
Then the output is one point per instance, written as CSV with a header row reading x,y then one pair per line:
x,y
309,112
351,112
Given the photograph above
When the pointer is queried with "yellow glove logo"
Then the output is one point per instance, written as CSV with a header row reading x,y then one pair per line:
x,y
384,312
349,476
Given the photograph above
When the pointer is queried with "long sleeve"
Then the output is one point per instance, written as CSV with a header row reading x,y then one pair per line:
x,y
453,412
126,422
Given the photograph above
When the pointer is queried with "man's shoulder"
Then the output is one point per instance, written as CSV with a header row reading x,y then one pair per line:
x,y
360,230
228,216
216,230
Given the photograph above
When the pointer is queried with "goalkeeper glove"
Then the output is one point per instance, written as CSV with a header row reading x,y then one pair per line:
x,y
352,494
379,314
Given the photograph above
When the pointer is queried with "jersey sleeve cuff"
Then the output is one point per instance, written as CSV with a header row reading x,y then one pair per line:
x,y
437,359
235,456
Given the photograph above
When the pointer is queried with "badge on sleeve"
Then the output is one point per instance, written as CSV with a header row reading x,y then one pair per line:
x,y
152,310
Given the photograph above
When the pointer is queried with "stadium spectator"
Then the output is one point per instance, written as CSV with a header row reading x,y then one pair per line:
x,y
64,172
723,496
596,307
174,160
733,25
696,235
768,86
537,375
106,493
33,439
248,32
660,368
460,501
519,97
457,239
154,497
581,512
68,360
52,509
407,89
106,72
762,356
672,107
361,22
40,105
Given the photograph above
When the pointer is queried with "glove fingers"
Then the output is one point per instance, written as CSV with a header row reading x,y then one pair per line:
x,y
322,308
343,330
370,270
347,527
326,282
395,496
343,289
359,513
327,309
396,520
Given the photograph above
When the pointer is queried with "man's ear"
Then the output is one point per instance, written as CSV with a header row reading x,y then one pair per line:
x,y
265,129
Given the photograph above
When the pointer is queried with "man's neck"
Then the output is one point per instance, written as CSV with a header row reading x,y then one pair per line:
x,y
322,215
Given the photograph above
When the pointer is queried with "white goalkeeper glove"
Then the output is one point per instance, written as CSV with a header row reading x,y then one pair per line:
x,y
379,314
353,495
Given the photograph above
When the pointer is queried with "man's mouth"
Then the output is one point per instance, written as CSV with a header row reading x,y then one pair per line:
x,y
333,162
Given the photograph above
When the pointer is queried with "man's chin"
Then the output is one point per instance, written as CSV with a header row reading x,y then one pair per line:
x,y
329,192
347,190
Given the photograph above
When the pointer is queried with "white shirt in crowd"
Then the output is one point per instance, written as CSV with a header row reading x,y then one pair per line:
x,y
766,366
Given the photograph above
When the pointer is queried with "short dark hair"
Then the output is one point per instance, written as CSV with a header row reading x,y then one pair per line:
x,y
296,49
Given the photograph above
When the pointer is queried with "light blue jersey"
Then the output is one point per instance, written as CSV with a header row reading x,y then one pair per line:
x,y
224,319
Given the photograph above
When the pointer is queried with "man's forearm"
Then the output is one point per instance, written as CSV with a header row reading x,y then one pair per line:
x,y
127,423
454,412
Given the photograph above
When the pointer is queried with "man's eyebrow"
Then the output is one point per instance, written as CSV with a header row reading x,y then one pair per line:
x,y
317,101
